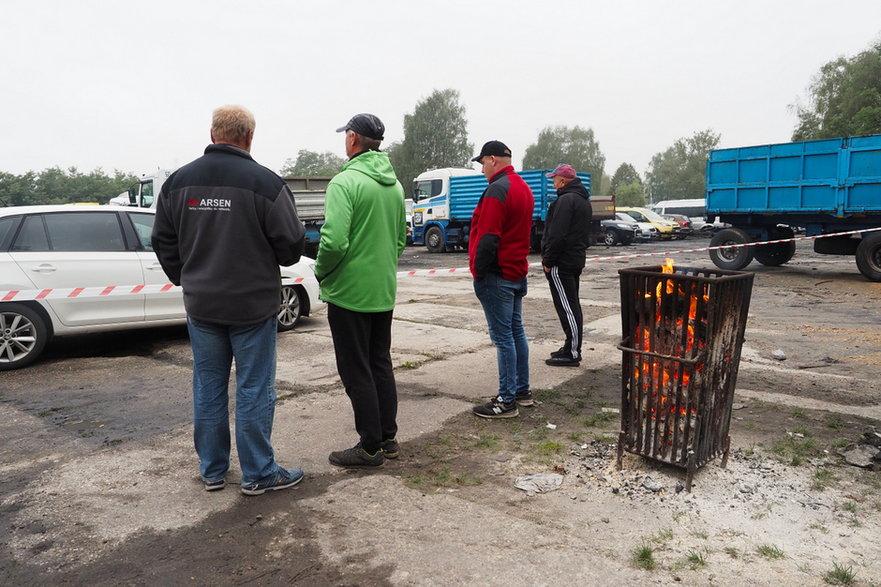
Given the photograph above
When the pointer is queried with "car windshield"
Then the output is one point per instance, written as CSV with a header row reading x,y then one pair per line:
x,y
652,214
626,218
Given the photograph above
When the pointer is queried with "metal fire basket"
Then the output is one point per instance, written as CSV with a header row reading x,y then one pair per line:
x,y
682,336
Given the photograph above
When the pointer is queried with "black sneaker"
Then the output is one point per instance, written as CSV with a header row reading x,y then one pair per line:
x,y
563,362
357,458
283,479
215,485
560,352
390,448
524,398
496,408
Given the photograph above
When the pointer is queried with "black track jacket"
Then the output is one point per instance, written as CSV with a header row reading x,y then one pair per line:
x,y
567,228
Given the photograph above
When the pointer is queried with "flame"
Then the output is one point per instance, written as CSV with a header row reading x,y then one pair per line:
x,y
662,380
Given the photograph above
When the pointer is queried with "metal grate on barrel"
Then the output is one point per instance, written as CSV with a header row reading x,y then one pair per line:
x,y
682,336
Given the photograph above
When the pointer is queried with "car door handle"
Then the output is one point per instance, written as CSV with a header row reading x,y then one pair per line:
x,y
154,267
44,268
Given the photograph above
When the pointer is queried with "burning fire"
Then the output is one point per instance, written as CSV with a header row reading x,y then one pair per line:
x,y
664,382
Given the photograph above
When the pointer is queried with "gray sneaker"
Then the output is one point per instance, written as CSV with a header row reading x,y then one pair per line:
x,y
524,398
496,408
357,458
283,479
390,448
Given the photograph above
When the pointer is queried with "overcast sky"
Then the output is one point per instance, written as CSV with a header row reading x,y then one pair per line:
x,y
130,86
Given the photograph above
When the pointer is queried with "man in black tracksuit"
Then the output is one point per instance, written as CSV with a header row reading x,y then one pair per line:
x,y
566,237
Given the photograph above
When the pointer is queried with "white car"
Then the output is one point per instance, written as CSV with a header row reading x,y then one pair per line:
x,y
80,246
646,232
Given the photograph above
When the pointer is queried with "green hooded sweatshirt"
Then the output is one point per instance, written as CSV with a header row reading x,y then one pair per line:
x,y
364,233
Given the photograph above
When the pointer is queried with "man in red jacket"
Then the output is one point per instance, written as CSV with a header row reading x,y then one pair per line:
x,y
497,248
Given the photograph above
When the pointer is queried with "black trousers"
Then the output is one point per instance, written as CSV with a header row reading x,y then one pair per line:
x,y
362,343
564,291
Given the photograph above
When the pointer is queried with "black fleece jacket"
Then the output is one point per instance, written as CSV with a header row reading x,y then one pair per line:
x,y
223,226
567,228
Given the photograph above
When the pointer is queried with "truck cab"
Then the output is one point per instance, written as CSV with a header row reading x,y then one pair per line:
x,y
431,206
144,193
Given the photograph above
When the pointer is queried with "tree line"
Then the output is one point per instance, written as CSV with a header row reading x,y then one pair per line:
x,y
844,99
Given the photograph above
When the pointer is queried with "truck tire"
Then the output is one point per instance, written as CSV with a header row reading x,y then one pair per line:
x,y
610,237
23,336
434,240
776,254
731,259
869,256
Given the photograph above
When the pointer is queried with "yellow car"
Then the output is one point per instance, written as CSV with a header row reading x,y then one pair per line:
x,y
667,229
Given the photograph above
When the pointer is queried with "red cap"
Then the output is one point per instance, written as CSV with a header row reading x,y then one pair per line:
x,y
563,170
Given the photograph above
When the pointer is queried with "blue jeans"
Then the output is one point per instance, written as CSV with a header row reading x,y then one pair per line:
x,y
253,348
502,302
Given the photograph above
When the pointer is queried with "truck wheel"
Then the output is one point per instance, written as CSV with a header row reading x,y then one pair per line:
x,y
776,254
434,240
23,336
869,256
731,259
610,237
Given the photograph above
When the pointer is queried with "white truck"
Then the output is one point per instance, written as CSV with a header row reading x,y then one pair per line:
x,y
144,193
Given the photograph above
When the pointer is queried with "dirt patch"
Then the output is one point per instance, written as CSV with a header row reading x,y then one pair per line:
x,y
786,491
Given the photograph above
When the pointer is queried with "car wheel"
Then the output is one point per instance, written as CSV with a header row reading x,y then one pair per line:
x,y
732,259
869,256
291,308
434,240
610,237
23,336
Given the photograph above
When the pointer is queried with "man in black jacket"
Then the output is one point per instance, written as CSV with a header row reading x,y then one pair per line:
x,y
223,225
566,237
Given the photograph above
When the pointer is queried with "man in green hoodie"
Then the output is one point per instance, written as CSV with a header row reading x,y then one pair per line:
x,y
364,233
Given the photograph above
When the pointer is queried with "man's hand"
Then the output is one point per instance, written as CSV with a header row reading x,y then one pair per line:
x,y
546,268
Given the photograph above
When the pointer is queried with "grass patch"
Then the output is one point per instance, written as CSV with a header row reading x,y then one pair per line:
x,y
849,506
840,575
834,421
549,447
770,551
600,419
823,479
696,560
663,536
444,477
796,450
644,557
731,551
486,441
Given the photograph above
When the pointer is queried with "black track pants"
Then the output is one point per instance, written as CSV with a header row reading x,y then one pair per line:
x,y
564,290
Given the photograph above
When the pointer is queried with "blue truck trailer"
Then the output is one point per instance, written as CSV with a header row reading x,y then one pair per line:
x,y
444,200
767,192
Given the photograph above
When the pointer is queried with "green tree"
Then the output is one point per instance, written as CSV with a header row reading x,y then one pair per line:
x,y
435,136
57,186
575,146
630,194
680,171
844,99
312,164
626,174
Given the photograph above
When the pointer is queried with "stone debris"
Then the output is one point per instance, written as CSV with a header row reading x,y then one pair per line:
x,y
779,355
863,455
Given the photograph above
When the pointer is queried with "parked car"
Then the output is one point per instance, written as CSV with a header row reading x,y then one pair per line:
x,y
64,246
666,228
646,231
684,223
616,231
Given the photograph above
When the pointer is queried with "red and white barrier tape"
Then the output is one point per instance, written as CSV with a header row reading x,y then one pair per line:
x,y
20,295
435,272
15,295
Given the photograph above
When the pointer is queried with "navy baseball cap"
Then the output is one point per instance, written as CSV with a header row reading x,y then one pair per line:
x,y
366,125
497,148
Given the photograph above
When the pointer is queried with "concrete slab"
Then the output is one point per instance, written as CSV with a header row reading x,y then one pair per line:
x,y
469,544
